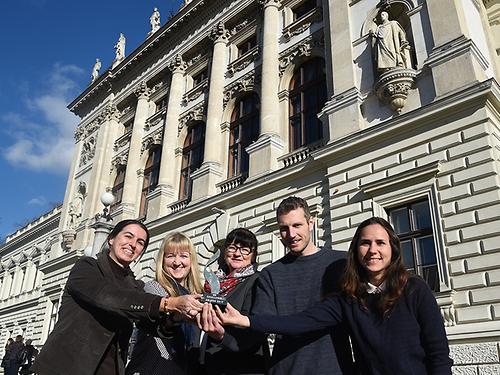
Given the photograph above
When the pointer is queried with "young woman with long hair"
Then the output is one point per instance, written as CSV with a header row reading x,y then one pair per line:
x,y
171,348
394,321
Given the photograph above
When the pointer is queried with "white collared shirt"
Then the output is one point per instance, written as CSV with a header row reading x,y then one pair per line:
x,y
372,289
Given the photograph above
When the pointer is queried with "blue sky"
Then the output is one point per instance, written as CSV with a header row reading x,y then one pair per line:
x,y
48,50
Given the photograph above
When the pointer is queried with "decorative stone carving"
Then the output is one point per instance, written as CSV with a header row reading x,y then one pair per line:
x,y
244,84
118,161
303,24
392,58
240,26
88,151
68,238
142,91
119,50
195,92
219,33
76,205
125,110
242,62
304,48
95,69
265,3
393,86
83,131
109,113
151,140
194,114
177,64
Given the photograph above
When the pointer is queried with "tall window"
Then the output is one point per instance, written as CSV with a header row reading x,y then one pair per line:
x,y
413,224
151,174
200,77
243,131
307,98
117,189
192,157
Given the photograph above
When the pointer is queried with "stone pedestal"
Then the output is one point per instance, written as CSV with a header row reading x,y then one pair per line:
x,y
204,180
393,86
264,154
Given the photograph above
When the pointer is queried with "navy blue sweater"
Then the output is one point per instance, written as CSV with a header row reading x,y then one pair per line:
x,y
411,340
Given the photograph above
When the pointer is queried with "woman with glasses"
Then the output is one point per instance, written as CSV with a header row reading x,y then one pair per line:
x,y
229,350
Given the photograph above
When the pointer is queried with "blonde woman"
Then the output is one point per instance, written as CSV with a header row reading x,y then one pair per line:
x,y
170,348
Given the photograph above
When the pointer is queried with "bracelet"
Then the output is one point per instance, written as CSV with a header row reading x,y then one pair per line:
x,y
165,304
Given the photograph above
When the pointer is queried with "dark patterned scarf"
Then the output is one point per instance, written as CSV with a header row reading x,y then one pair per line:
x,y
230,281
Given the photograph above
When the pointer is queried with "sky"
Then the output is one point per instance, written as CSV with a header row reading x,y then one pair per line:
x,y
48,49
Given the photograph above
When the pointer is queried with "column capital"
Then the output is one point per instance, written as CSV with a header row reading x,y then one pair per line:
x,y
142,91
177,64
109,113
219,33
270,3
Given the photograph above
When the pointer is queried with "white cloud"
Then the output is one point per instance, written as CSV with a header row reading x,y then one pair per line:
x,y
37,201
43,134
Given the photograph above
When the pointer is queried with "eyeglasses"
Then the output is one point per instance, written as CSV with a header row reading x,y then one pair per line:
x,y
243,250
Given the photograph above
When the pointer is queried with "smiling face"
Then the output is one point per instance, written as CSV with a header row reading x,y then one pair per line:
x,y
374,252
127,245
177,263
237,256
295,230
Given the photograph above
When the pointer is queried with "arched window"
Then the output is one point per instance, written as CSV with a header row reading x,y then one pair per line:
x,y
192,157
243,131
151,174
117,189
307,98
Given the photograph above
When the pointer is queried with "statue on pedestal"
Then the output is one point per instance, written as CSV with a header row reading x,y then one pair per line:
x,y
390,46
95,69
154,20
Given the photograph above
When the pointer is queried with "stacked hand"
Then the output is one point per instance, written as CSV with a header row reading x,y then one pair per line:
x,y
208,322
189,306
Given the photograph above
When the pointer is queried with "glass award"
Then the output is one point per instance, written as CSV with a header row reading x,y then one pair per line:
x,y
214,297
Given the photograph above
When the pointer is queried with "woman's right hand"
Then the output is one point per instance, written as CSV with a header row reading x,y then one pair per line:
x,y
188,306
232,317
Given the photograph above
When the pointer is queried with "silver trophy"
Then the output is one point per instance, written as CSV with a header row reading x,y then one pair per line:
x,y
214,297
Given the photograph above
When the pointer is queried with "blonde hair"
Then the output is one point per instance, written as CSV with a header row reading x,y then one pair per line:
x,y
178,241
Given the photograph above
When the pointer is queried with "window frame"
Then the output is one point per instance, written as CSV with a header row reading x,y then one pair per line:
x,y
186,183
237,147
299,118
150,178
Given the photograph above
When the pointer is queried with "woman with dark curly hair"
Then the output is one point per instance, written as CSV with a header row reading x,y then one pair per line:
x,y
394,321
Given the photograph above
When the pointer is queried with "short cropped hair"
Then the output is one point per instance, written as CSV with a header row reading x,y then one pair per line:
x,y
293,203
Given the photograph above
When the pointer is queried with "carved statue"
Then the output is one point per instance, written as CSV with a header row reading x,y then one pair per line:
x,y
95,69
120,48
154,20
390,45
76,206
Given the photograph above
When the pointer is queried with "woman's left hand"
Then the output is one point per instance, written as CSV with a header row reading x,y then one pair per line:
x,y
208,322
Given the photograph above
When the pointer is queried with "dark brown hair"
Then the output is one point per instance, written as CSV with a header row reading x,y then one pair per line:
x,y
355,277
290,204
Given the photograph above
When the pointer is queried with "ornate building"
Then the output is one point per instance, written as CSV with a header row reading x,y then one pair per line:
x,y
362,107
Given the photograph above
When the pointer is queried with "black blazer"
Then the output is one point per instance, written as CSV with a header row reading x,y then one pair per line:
x,y
241,351
95,308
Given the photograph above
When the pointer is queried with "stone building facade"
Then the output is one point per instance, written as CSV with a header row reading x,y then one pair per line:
x,y
231,106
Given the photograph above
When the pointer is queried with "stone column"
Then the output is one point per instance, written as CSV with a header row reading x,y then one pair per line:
x,y
168,172
100,176
341,114
210,173
455,59
131,196
265,152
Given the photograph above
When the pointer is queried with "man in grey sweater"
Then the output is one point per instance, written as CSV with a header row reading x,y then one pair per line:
x,y
295,282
